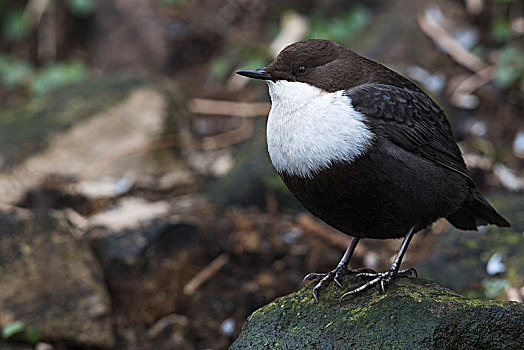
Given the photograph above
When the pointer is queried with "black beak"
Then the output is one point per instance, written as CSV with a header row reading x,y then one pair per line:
x,y
259,73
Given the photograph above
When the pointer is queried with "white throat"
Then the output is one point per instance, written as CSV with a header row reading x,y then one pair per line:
x,y
308,129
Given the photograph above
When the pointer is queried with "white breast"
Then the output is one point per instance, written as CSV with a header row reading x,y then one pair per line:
x,y
308,129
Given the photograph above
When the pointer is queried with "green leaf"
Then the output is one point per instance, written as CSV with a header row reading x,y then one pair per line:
x,y
493,286
505,75
340,28
32,334
509,65
220,67
13,71
58,74
12,328
15,25
81,8
172,2
500,29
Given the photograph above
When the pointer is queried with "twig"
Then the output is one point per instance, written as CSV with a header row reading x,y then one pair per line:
x,y
205,274
472,83
240,109
35,9
243,132
434,30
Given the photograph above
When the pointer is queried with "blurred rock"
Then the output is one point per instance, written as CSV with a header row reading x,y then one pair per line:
x,y
5,345
508,178
97,189
129,212
27,129
50,279
518,144
412,314
159,255
127,247
459,258
495,265
83,137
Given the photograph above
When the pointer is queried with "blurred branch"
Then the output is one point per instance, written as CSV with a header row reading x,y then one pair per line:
x,y
241,109
35,9
466,87
432,28
205,274
243,132
46,32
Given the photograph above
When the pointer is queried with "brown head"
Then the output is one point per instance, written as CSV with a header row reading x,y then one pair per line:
x,y
321,63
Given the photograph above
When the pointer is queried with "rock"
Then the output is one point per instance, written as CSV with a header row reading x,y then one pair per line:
x,y
89,136
28,128
412,314
129,212
128,247
75,131
50,279
459,259
147,266
4,345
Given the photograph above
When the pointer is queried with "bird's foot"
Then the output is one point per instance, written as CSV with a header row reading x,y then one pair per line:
x,y
334,275
380,279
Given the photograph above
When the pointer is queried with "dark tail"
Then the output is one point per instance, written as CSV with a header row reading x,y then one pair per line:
x,y
476,211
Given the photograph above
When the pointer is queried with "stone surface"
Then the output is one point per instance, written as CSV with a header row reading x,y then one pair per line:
x,y
50,279
86,133
413,314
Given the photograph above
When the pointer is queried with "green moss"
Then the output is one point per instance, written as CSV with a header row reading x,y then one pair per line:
x,y
413,313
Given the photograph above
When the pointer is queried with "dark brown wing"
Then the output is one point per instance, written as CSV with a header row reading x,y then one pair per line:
x,y
412,121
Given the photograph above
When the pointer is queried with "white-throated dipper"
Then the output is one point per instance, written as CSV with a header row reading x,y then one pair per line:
x,y
365,150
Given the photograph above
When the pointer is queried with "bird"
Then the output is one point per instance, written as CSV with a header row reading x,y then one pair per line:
x,y
365,150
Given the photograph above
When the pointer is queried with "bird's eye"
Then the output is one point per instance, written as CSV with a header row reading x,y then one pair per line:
x,y
301,69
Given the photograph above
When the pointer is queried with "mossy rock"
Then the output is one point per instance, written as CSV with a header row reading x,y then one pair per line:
x,y
26,129
412,314
50,279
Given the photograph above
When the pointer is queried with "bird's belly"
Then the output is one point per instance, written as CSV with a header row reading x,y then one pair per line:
x,y
379,196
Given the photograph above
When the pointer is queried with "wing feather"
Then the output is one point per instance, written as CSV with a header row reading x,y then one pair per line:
x,y
412,121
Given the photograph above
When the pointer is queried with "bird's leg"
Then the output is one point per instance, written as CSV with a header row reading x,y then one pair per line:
x,y
384,278
335,274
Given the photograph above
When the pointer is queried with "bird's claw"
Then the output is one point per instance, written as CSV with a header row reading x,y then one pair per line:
x,y
381,278
335,275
